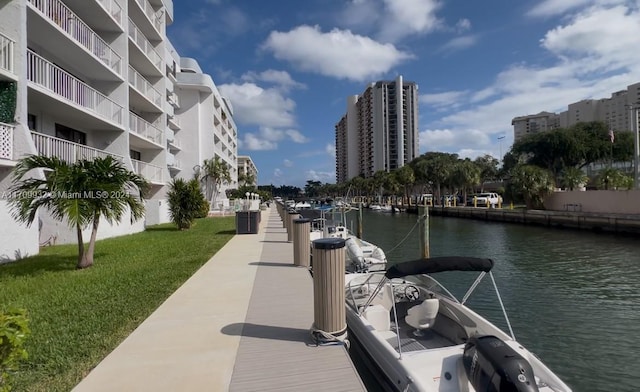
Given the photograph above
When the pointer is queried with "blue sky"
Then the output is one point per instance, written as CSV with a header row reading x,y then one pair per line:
x,y
288,66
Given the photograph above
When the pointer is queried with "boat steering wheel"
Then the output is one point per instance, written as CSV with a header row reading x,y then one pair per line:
x,y
411,292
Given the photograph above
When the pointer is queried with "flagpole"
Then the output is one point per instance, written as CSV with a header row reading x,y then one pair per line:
x,y
633,122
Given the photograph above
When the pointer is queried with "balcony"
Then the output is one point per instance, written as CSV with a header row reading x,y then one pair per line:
x,y
147,50
146,90
6,141
152,173
75,28
52,79
173,122
174,144
113,9
145,130
107,14
67,151
7,59
154,18
173,100
173,163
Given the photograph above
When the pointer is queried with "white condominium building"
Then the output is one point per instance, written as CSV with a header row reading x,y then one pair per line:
x,y
247,170
616,112
96,78
379,130
543,121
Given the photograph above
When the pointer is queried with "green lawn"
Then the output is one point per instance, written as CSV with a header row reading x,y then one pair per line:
x,y
78,316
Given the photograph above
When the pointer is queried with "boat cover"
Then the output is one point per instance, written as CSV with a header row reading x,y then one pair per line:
x,y
438,264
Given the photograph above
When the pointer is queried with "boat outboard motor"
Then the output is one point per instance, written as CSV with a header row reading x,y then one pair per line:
x,y
492,366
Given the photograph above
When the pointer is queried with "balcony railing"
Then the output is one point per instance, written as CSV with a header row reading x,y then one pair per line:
x,y
61,15
144,128
175,143
6,141
113,9
144,45
149,171
173,100
175,164
154,17
7,59
60,82
174,122
144,87
69,152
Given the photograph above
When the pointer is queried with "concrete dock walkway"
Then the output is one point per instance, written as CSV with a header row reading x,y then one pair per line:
x,y
240,323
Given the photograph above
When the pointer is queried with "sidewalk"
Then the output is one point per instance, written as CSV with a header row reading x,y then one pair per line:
x,y
192,342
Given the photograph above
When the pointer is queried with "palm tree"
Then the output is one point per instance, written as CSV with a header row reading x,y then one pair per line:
x,y
215,173
80,193
572,177
533,182
186,202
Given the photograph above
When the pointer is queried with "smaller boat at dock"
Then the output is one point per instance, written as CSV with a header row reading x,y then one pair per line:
x,y
422,338
361,255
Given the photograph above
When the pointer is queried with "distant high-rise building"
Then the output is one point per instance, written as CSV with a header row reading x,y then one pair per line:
x,y
379,130
543,121
614,111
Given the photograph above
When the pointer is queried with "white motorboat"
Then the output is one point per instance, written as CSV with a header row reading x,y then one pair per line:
x,y
361,256
421,338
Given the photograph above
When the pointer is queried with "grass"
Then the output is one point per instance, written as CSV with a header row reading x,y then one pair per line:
x,y
77,317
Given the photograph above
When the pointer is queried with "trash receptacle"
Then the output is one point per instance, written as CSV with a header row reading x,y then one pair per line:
x,y
247,222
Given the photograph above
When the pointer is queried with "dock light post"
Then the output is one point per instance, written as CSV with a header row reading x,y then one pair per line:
x,y
500,139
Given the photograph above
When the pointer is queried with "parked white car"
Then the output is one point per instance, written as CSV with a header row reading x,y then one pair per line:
x,y
487,199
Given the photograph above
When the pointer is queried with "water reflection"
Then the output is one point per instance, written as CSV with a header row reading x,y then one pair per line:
x,y
572,296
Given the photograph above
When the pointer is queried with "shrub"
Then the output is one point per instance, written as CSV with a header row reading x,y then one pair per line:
x,y
186,202
203,212
14,330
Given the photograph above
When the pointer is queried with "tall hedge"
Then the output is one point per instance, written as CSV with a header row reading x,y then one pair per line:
x,y
8,94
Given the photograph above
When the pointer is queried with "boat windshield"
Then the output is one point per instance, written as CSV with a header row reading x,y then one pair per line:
x,y
361,288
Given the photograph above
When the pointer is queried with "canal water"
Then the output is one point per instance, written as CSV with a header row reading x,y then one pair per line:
x,y
573,297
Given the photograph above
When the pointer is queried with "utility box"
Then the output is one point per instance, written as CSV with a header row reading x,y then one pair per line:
x,y
247,222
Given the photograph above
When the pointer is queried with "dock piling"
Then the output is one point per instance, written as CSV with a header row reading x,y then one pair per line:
x,y
330,322
301,242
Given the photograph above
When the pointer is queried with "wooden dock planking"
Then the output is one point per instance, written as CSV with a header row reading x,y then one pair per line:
x,y
276,352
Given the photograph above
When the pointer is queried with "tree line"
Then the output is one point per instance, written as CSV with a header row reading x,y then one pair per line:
x,y
532,168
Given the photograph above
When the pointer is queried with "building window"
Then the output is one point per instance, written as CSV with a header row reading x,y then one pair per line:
x,y
71,134
31,121
133,154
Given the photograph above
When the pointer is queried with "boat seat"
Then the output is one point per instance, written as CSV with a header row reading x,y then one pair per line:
x,y
385,297
379,317
423,316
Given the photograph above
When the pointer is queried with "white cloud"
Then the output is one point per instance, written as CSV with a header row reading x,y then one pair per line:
x,y
321,176
287,163
331,149
254,143
548,8
281,79
409,17
338,53
267,138
259,106
463,25
296,136
459,43
450,99
609,37
594,56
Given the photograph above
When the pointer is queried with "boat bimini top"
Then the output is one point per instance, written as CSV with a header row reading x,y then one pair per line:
x,y
432,265
438,264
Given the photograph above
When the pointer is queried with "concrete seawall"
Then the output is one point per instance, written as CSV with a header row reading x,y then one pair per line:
x,y
599,222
